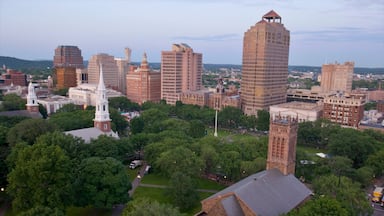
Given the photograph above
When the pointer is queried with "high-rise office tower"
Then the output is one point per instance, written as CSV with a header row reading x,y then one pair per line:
x,y
110,70
65,62
181,70
143,83
265,64
122,69
337,77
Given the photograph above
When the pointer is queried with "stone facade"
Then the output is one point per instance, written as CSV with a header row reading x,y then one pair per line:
x,y
282,144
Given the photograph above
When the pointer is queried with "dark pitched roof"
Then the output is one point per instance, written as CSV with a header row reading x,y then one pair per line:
x,y
267,193
271,14
24,113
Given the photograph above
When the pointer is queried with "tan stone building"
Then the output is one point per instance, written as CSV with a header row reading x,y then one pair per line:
x,y
143,84
122,70
303,111
110,69
181,71
345,109
337,77
265,64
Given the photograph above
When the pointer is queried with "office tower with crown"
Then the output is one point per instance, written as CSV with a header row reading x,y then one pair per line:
x,y
265,64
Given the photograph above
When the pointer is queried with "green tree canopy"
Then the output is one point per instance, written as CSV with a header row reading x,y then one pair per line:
x,y
72,120
12,102
41,177
182,191
262,122
102,183
179,159
123,104
320,206
28,130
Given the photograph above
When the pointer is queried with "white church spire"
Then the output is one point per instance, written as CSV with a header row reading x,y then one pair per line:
x,y
102,120
32,104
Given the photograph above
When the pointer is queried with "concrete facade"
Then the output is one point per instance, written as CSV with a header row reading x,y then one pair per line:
x,y
181,70
265,64
85,94
301,110
110,70
337,77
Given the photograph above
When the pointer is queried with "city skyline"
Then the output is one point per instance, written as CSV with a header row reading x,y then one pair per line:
x,y
321,32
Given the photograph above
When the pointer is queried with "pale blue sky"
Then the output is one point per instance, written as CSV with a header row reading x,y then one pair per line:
x,y
321,31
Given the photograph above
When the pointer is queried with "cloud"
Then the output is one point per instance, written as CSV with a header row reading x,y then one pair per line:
x,y
223,37
341,34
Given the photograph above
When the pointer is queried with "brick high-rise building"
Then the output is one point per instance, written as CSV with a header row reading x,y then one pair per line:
x,y
65,62
265,64
14,77
143,83
345,109
68,56
110,70
282,144
181,70
337,77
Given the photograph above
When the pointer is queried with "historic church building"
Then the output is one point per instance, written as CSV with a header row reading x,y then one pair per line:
x,y
101,122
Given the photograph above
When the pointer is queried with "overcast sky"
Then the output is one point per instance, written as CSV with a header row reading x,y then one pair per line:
x,y
322,31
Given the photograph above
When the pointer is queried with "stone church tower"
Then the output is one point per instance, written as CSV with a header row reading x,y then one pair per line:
x,y
102,120
282,144
32,105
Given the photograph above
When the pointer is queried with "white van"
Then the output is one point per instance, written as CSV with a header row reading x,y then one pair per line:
x,y
135,163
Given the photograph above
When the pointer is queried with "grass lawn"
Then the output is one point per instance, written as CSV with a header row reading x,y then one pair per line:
x,y
158,195
154,178
132,173
209,184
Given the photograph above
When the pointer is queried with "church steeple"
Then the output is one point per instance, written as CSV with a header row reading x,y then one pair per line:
x,y
32,105
102,120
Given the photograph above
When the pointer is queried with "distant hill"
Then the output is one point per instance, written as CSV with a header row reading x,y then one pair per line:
x,y
20,64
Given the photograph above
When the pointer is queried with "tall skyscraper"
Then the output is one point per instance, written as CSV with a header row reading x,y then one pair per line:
x,y
265,64
110,70
181,70
65,62
143,83
122,69
282,144
337,77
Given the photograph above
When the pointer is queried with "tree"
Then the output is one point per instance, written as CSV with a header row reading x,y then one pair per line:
x,y
136,125
28,130
320,206
210,157
348,193
376,162
196,129
230,164
69,108
43,111
12,102
72,120
41,177
230,117
102,183
123,104
340,166
104,146
152,118
182,191
119,123
262,122
147,207
179,159
354,145
42,211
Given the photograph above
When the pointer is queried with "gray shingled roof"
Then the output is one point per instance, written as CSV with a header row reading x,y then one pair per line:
x,y
90,133
232,206
268,192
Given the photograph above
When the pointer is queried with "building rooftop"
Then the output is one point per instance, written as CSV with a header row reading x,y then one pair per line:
x,y
266,193
300,105
87,134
